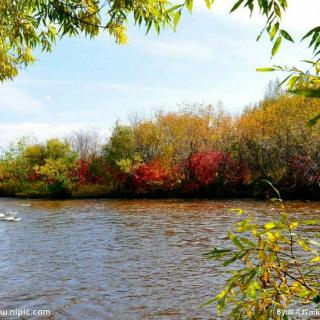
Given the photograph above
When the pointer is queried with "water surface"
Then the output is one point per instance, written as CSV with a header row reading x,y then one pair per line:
x,y
118,259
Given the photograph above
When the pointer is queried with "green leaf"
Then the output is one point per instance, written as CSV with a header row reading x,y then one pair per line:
x,y
312,122
236,6
189,5
248,242
314,39
176,19
208,302
309,33
316,243
270,225
277,10
267,69
304,245
235,240
309,222
149,27
273,187
309,93
283,4
237,256
292,82
217,253
315,259
209,3
314,63
286,35
274,31
174,8
276,46
238,211
285,80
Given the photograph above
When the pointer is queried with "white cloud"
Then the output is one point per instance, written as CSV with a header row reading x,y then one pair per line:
x,y
42,131
299,17
174,49
302,15
14,100
154,92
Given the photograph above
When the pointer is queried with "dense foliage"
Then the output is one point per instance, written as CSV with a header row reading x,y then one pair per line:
x,y
270,278
197,151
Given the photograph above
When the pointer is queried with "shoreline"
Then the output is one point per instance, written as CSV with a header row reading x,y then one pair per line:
x,y
152,197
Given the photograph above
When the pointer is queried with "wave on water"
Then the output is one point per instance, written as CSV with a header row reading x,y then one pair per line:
x,y
9,216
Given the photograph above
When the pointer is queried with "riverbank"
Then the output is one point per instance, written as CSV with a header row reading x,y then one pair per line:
x,y
262,192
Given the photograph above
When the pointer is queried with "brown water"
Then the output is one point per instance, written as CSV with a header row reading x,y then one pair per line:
x,y
118,259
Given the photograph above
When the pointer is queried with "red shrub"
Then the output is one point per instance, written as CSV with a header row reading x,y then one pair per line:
x,y
304,170
154,175
84,174
205,166
33,176
213,167
149,176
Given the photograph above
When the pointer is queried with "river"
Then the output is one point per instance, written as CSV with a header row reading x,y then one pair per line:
x,y
118,259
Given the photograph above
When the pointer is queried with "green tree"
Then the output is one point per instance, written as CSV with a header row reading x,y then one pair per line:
x,y
13,163
120,149
45,168
54,164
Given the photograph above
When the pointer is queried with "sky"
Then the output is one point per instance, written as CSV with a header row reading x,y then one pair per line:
x,y
91,84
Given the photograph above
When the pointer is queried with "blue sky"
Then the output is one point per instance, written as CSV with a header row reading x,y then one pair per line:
x,y
92,83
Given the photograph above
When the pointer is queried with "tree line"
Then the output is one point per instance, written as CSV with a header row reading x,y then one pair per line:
x,y
198,151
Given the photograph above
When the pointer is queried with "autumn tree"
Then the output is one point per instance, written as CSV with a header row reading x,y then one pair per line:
x,y
175,136
271,134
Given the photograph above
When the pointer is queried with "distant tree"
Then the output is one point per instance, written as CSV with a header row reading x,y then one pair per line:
x,y
86,143
273,90
120,147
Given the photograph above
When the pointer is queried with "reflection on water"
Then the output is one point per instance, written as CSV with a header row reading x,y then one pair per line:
x,y
118,259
